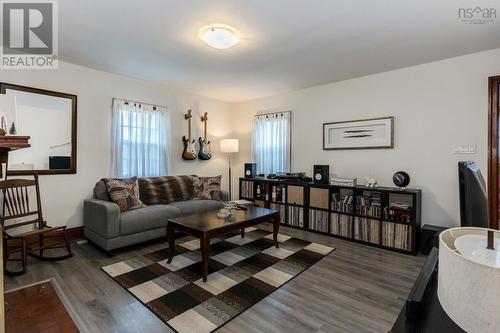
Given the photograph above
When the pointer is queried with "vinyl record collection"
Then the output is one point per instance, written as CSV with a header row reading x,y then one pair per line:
x,y
296,216
341,225
396,235
367,230
247,189
318,220
380,216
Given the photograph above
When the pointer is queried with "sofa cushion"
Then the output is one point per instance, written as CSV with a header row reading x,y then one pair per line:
x,y
147,218
207,188
196,206
165,189
101,192
124,193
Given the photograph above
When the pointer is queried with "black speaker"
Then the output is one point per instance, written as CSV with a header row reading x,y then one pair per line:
x,y
250,170
430,237
321,174
59,162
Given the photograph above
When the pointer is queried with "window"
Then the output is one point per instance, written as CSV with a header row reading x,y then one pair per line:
x,y
140,140
271,142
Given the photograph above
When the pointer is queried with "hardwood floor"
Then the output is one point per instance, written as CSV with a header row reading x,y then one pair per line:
x,y
356,288
35,309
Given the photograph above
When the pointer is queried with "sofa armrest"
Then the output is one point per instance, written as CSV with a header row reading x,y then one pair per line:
x,y
102,217
224,195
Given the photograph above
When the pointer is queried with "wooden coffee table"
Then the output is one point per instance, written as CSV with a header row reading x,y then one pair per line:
x,y
207,225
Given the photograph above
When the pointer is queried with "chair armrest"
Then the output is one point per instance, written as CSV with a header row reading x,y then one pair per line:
x,y
224,195
102,217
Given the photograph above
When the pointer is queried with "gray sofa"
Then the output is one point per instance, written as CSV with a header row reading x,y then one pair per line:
x,y
110,229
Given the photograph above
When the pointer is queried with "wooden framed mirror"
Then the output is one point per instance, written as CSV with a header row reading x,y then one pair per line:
x,y
49,117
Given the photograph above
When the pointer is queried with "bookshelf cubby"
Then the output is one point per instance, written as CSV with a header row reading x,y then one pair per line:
x,y
385,217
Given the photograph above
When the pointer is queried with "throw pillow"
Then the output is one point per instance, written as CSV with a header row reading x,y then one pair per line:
x,y
124,192
207,188
165,189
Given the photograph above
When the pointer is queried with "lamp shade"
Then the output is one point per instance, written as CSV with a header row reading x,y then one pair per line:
x,y
229,145
469,279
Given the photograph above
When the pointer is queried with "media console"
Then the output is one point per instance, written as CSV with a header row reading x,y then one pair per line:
x,y
384,217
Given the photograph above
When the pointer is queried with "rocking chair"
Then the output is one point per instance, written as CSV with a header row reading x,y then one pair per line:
x,y
16,208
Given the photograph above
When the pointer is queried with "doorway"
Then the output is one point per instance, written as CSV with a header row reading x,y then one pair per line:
x,y
493,151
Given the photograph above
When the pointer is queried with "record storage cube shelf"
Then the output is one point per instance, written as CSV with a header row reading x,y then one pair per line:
x,y
385,217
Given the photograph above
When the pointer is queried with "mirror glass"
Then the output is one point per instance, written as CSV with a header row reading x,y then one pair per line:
x,y
48,118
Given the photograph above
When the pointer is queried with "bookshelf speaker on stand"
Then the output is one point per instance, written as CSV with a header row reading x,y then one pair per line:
x,y
321,174
250,170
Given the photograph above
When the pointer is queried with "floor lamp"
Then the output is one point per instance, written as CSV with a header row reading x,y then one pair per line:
x,y
229,146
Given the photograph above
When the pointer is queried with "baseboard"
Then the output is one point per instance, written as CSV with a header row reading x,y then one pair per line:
x,y
74,233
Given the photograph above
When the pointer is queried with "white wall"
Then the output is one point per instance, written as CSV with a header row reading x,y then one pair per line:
x,y
435,105
63,195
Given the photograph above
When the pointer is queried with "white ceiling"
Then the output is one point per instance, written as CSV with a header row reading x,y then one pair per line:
x,y
287,44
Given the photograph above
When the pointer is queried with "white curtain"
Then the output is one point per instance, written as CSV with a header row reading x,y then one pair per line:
x,y
271,142
140,140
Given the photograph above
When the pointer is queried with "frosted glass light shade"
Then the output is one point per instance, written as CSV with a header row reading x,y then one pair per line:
x,y
229,145
219,36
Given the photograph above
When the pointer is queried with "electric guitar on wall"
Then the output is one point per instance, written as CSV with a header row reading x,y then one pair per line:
x,y
189,151
204,153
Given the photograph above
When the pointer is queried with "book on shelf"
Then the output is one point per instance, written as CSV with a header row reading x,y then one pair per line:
x,y
341,204
368,204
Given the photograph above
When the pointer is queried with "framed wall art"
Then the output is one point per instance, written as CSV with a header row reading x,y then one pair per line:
x,y
359,134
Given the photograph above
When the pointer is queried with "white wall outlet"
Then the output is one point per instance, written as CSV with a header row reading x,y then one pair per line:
x,y
466,148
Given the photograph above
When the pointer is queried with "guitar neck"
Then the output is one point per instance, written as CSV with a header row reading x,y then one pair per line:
x,y
205,131
189,129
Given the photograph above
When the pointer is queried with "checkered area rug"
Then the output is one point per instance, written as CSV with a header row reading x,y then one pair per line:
x,y
242,272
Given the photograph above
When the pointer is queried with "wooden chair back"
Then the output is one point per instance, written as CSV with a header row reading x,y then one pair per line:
x,y
16,203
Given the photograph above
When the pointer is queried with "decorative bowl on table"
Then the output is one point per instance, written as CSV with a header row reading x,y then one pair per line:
x,y
227,211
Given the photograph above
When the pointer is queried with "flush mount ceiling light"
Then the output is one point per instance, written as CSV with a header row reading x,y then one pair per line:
x,y
219,36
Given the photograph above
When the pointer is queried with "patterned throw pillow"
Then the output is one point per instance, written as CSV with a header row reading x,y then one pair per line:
x,y
124,193
207,188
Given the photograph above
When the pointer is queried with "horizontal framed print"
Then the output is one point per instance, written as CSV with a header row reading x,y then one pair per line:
x,y
359,134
